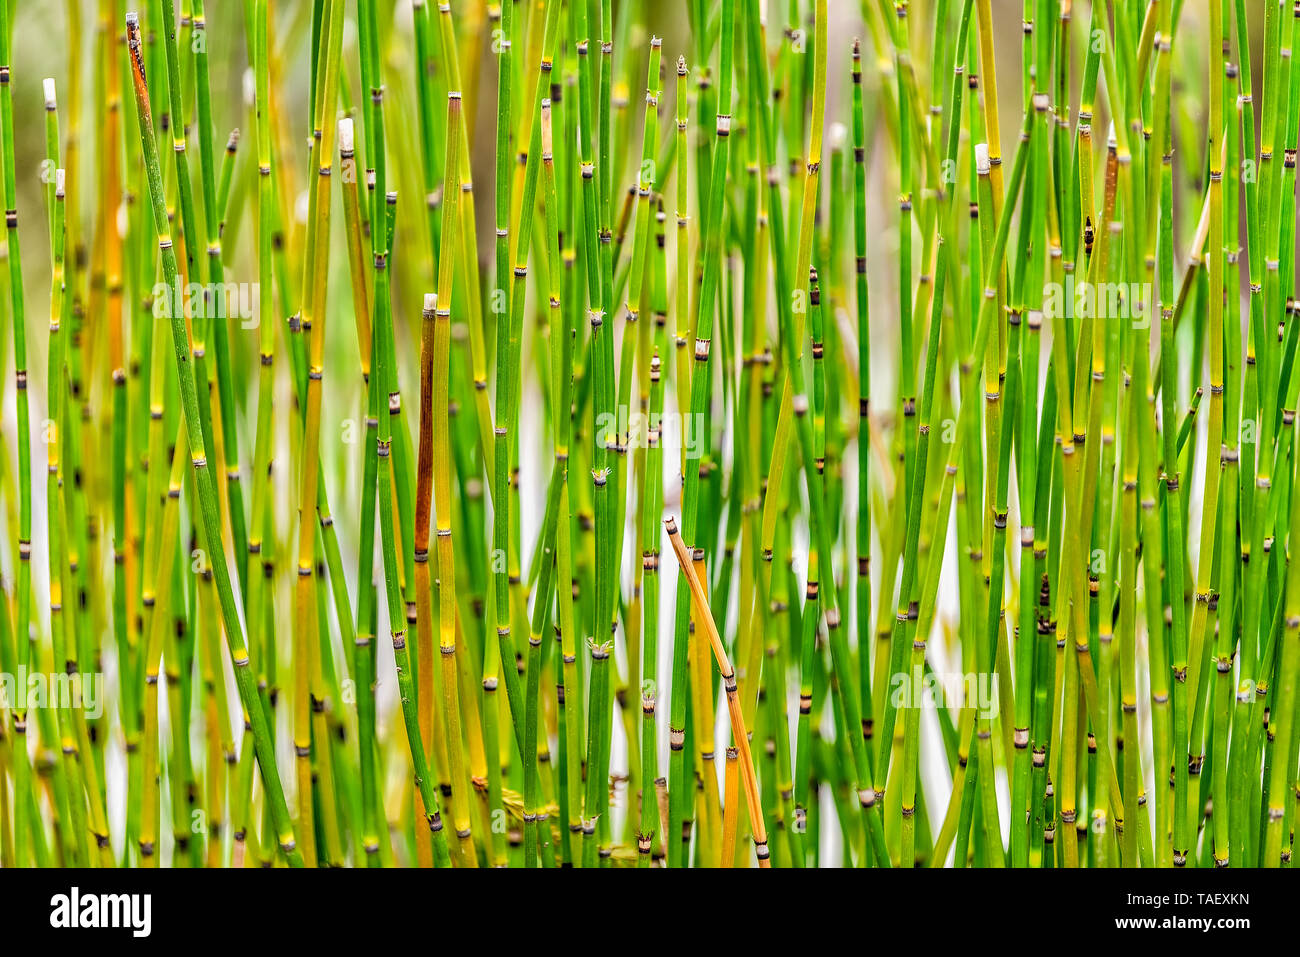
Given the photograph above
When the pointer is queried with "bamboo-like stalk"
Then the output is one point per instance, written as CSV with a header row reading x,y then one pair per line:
x,y
652,504
77,757
535,817
740,735
1182,652
312,318
256,598
432,318
493,655
23,528
1272,854
439,344
680,681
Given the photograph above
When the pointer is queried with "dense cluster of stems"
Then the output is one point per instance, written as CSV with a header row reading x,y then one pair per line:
x,y
665,582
